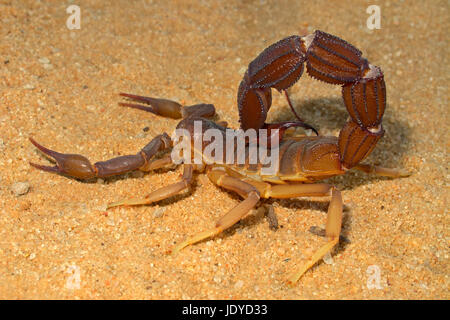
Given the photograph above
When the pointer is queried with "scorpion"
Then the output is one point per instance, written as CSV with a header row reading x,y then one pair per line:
x,y
303,160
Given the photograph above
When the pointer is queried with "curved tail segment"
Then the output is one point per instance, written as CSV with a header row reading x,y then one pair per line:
x,y
365,100
279,67
329,59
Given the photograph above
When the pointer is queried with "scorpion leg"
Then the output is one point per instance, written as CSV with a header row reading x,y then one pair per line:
x,y
252,192
334,217
162,193
244,189
381,171
78,166
155,164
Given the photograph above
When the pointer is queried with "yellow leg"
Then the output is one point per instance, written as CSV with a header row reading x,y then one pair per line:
x,y
157,164
319,254
234,215
381,171
162,193
332,231
252,194
334,217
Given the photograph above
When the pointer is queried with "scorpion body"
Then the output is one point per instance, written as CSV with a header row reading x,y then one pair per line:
x,y
301,161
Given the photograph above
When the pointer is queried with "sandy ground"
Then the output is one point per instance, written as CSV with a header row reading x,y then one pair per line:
x,y
60,86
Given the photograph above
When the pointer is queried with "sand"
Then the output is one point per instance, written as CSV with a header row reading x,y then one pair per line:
x,y
61,87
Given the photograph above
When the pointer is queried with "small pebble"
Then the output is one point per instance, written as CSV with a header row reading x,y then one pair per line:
x,y
159,212
102,208
239,284
20,188
44,60
141,135
185,86
328,259
271,217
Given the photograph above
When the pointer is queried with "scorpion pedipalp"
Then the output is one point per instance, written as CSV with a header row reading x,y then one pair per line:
x,y
168,108
78,166
162,107
74,165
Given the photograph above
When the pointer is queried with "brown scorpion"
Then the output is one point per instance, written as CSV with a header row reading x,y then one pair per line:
x,y
302,160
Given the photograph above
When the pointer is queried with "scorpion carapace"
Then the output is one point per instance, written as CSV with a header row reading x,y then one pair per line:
x,y
301,160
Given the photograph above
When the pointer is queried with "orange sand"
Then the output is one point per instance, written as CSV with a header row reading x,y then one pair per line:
x,y
60,86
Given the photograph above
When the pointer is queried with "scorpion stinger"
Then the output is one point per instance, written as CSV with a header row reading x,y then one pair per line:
x,y
301,122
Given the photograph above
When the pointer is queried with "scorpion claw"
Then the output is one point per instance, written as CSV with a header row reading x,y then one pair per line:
x,y
53,169
45,150
146,100
137,106
73,165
